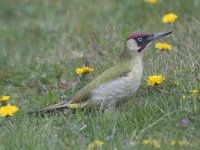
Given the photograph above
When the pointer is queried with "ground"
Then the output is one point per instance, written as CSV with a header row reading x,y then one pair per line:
x,y
42,43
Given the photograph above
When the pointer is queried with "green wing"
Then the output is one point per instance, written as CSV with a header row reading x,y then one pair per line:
x,y
112,73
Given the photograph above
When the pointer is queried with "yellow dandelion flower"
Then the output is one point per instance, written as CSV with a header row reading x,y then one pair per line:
x,y
73,106
79,71
151,1
88,69
4,98
154,143
183,143
194,92
163,46
180,143
173,142
83,70
145,142
154,80
8,110
95,144
169,18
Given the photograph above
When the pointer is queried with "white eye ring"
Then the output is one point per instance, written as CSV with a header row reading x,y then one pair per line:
x,y
140,39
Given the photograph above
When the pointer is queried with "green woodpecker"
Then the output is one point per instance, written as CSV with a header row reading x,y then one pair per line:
x,y
111,87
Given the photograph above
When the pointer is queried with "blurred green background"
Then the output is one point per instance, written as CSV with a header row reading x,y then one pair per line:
x,y
42,43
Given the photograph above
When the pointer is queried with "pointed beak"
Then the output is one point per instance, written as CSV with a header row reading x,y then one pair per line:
x,y
156,36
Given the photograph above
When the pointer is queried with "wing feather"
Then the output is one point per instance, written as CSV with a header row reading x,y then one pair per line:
x,y
112,73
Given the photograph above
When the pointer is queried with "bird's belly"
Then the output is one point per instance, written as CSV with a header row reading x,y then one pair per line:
x,y
111,93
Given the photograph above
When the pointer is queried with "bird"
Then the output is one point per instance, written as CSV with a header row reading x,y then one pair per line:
x,y
112,87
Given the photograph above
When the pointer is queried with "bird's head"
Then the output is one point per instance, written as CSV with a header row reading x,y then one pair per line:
x,y
138,41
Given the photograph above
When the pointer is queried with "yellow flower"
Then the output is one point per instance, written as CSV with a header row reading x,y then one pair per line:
x,y
95,144
183,143
145,142
169,18
180,143
151,1
194,92
150,142
73,106
163,46
79,71
8,110
83,70
154,80
173,142
4,98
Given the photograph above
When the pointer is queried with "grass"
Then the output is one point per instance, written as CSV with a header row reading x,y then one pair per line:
x,y
41,44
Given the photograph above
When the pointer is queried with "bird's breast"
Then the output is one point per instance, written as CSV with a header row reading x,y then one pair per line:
x,y
111,92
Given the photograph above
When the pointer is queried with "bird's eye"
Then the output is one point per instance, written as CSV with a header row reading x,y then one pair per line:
x,y
140,39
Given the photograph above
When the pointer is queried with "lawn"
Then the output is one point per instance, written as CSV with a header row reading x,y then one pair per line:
x,y
42,42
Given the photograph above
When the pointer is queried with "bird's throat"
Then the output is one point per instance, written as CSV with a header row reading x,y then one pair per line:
x,y
131,55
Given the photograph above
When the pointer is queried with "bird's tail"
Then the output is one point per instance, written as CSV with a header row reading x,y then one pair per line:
x,y
58,106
